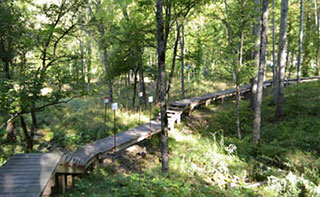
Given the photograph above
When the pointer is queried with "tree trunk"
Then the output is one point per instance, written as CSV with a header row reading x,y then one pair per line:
x,y
307,49
274,66
29,140
104,62
134,91
262,65
256,50
82,62
236,64
300,42
11,127
238,93
162,96
141,79
282,57
7,68
318,34
34,126
182,60
175,49
89,62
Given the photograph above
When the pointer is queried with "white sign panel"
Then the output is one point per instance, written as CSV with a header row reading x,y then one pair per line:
x,y
114,106
106,99
140,94
150,99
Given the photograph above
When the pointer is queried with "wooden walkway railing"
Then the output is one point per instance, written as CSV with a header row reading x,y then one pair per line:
x,y
33,175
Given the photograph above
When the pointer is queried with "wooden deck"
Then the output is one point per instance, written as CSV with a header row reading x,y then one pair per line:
x,y
27,175
31,175
98,149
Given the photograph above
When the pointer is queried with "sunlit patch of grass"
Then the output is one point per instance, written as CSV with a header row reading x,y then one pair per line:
x,y
198,167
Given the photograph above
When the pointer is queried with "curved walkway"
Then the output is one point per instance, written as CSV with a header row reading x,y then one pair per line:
x,y
33,175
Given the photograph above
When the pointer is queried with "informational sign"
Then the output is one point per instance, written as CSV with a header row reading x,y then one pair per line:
x,y
114,106
140,94
150,99
106,99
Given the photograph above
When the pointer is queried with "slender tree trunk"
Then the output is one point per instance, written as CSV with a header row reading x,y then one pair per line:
x,y
82,62
182,60
300,42
34,126
141,80
307,53
104,60
238,93
29,140
89,61
134,91
7,68
162,97
236,64
282,57
262,65
291,65
318,35
256,50
175,49
274,66
11,127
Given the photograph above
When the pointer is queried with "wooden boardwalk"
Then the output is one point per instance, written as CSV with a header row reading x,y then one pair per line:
x,y
31,175
97,150
27,175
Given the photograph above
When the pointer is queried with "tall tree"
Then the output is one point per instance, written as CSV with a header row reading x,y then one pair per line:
x,y
182,60
161,48
316,18
279,90
262,64
273,41
256,50
300,42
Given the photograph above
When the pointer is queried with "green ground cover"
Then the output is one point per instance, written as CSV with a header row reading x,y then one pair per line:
x,y
207,158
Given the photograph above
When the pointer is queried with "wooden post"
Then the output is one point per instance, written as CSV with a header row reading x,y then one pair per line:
x,y
179,118
114,132
62,183
69,180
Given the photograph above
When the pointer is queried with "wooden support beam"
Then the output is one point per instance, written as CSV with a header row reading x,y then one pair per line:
x,y
62,183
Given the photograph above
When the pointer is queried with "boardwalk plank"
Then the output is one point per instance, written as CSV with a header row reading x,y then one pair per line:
x,y
12,181
87,152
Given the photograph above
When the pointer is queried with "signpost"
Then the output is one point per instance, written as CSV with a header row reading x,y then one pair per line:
x,y
150,103
114,107
140,97
105,101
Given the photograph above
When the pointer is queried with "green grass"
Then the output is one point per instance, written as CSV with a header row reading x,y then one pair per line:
x,y
207,158
68,126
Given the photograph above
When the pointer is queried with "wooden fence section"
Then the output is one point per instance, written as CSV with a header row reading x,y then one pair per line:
x,y
31,175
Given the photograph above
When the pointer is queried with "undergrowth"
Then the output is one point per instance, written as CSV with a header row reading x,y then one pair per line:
x,y
207,158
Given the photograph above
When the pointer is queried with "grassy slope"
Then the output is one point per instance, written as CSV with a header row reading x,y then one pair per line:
x,y
207,159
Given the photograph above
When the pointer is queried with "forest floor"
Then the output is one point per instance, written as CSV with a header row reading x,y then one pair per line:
x,y
66,127
207,158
